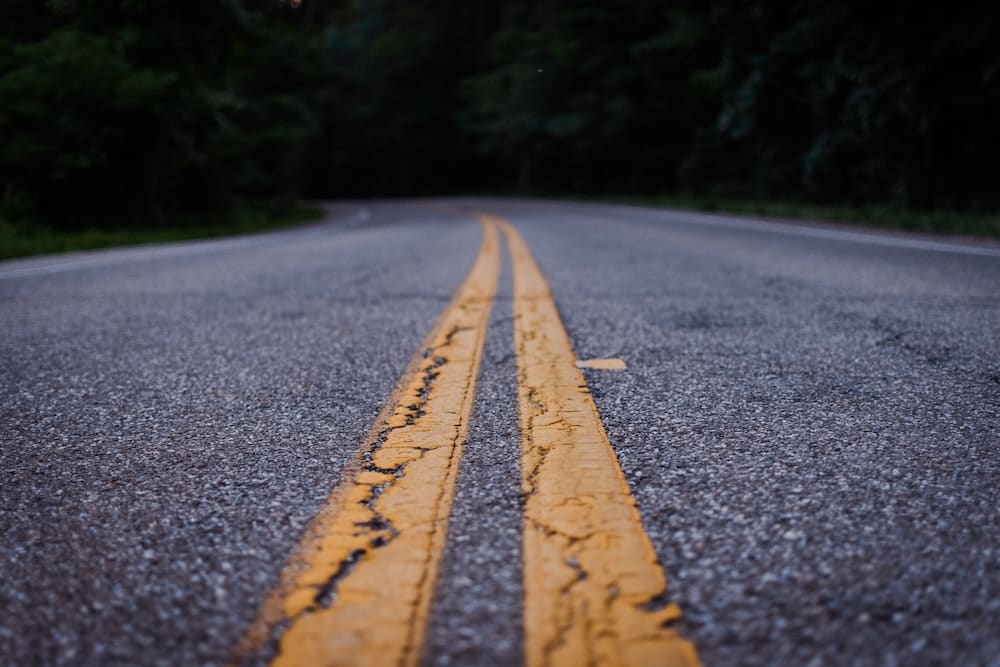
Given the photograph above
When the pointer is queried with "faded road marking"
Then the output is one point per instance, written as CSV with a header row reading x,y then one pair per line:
x,y
359,590
613,364
594,590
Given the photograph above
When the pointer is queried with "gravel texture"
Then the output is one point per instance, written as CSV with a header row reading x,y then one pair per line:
x,y
170,426
478,607
811,428
809,421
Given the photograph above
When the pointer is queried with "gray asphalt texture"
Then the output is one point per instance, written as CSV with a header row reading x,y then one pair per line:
x,y
171,426
810,422
477,610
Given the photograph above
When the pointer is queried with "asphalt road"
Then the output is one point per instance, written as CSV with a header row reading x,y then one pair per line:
x,y
809,421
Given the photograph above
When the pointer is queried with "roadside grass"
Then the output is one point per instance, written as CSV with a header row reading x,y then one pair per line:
x,y
25,239
938,222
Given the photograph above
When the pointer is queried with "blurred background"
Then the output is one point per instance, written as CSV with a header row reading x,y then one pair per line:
x,y
206,116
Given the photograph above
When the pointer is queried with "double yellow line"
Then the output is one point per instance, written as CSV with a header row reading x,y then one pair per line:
x,y
359,589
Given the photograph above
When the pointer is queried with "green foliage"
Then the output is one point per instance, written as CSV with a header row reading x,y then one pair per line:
x,y
392,127
142,111
565,88
23,239
115,112
848,103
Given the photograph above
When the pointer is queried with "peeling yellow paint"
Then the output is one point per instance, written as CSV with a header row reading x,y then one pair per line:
x,y
613,364
593,585
359,590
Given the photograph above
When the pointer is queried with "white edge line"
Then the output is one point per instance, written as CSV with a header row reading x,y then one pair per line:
x,y
127,254
696,218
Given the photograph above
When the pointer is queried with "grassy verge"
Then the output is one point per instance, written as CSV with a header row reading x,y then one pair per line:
x,y
939,222
22,240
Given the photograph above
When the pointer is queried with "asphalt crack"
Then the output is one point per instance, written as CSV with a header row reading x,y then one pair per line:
x,y
378,526
328,592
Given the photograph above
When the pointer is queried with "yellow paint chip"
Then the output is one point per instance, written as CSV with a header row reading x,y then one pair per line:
x,y
358,591
613,364
593,584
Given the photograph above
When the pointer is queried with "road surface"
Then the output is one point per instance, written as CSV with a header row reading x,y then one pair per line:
x,y
804,442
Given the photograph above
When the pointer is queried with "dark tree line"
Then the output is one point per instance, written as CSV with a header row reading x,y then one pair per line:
x,y
146,109
141,110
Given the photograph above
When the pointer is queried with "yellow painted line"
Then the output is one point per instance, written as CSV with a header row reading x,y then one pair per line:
x,y
359,590
594,588
613,364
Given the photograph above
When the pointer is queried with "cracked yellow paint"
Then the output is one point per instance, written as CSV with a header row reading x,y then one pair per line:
x,y
593,586
614,364
359,590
